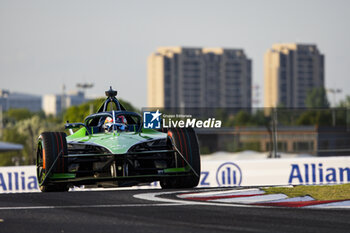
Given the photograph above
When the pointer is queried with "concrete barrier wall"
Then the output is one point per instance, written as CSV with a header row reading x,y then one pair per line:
x,y
224,172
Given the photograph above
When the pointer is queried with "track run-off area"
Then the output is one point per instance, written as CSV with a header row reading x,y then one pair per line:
x,y
155,210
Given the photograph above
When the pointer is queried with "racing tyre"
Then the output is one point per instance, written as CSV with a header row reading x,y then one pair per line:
x,y
50,146
185,140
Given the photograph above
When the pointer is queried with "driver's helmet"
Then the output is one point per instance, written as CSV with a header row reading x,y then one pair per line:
x,y
120,124
108,124
121,119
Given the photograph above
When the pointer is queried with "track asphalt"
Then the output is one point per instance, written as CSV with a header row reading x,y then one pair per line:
x,y
120,211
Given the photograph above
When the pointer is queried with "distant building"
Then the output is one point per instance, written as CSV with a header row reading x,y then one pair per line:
x,y
291,70
55,104
314,140
199,77
13,100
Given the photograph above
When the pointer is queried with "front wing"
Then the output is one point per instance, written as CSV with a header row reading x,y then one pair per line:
x,y
119,169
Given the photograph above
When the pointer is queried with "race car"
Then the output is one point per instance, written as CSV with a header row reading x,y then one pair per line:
x,y
113,149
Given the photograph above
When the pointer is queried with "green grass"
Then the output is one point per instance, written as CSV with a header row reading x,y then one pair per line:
x,y
318,192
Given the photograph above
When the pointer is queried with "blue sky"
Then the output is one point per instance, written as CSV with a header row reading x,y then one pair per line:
x,y
45,44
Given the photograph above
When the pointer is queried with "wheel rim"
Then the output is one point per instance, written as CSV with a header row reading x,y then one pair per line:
x,y
40,171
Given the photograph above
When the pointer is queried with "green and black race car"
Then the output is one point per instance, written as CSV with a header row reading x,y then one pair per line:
x,y
113,149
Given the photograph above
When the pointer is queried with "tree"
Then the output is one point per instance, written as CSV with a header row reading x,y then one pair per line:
x,y
15,115
345,103
78,113
25,132
242,118
19,114
317,98
226,118
10,158
315,117
31,129
260,119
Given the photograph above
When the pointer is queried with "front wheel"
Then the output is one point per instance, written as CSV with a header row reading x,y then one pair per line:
x,y
185,140
50,146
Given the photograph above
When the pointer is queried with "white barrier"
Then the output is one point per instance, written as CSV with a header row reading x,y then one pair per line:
x,y
224,172
18,179
296,171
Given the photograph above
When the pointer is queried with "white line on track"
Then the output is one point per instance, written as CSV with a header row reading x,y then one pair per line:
x,y
224,193
253,199
84,206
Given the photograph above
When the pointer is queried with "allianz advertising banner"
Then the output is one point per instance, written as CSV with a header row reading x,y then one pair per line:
x,y
296,171
18,179
224,172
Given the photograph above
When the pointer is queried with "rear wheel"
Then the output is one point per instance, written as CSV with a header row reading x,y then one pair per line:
x,y
50,146
185,140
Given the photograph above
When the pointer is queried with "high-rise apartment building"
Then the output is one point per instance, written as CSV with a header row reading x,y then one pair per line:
x,y
291,70
199,77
